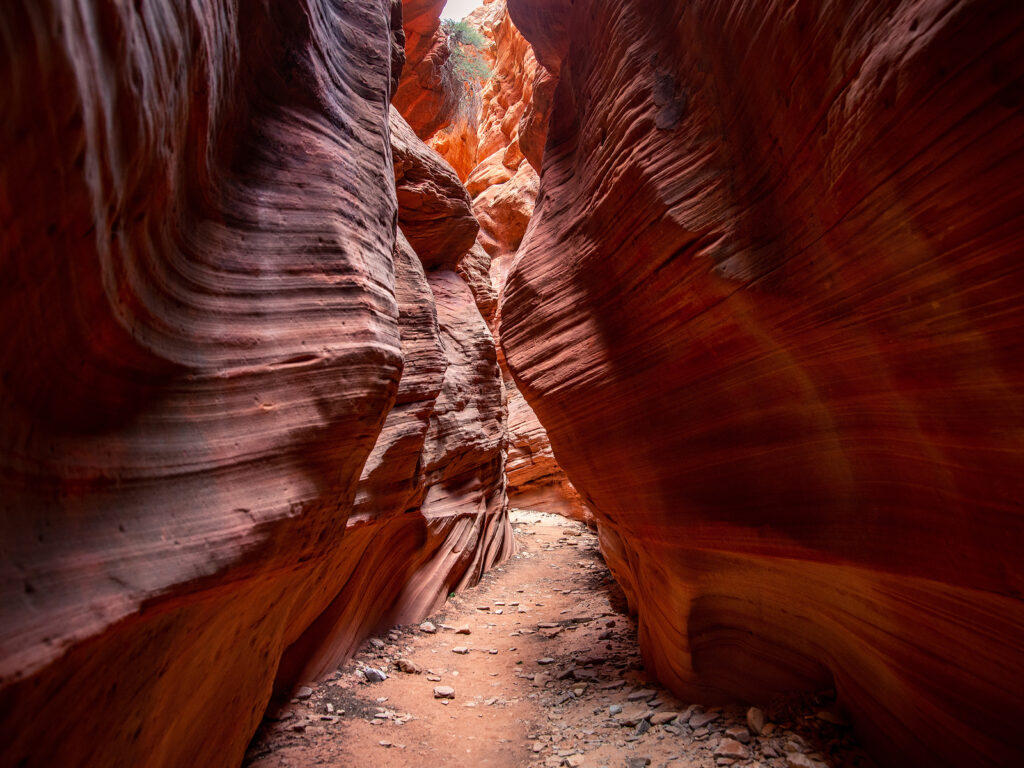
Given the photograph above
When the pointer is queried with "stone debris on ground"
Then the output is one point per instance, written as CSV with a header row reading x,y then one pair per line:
x,y
566,688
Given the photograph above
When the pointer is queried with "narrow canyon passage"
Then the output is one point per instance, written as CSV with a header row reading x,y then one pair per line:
x,y
314,312
536,666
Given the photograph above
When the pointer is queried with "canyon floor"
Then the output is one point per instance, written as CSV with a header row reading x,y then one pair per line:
x,y
541,663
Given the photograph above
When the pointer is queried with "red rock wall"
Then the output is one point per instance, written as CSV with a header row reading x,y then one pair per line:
x,y
206,337
504,187
422,97
769,311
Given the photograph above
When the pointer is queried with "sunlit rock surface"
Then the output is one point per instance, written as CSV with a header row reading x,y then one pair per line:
x,y
768,309
484,149
422,96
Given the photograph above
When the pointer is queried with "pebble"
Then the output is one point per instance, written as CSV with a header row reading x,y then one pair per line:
x,y
740,734
428,627
615,709
460,649
642,695
664,717
376,642
374,675
545,661
637,762
574,761
409,667
755,720
304,693
699,720
444,692
732,748
463,630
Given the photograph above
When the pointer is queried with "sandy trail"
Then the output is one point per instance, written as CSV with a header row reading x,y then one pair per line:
x,y
548,675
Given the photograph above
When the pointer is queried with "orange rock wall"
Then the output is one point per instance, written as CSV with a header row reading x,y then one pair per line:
x,y
768,309
421,96
485,152
236,421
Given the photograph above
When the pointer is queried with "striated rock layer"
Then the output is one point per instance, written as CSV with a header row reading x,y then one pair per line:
x,y
504,187
231,409
423,97
768,309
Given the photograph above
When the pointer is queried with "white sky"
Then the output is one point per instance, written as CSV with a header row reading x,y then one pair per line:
x,y
459,9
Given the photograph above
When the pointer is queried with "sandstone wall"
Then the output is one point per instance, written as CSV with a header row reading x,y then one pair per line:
x,y
226,399
768,309
485,151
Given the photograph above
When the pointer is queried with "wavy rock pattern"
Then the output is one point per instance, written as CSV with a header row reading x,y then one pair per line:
x,y
434,209
422,98
224,438
769,311
504,187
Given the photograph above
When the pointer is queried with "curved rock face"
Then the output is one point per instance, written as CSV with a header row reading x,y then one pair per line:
x,y
509,105
422,97
202,346
768,309
504,187
434,208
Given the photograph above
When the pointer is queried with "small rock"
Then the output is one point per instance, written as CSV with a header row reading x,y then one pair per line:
x,y
409,667
376,642
463,630
304,693
574,761
615,709
538,746
755,720
643,727
642,695
545,661
460,649
696,721
374,675
663,717
732,749
384,743
444,692
330,708
637,762
740,734
428,627
434,678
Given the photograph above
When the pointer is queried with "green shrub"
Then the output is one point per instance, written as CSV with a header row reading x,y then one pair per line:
x,y
466,70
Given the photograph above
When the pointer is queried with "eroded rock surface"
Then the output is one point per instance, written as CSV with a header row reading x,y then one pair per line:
x,y
485,151
227,401
423,98
768,310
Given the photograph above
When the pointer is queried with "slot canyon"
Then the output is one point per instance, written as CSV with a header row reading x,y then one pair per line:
x,y
603,382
